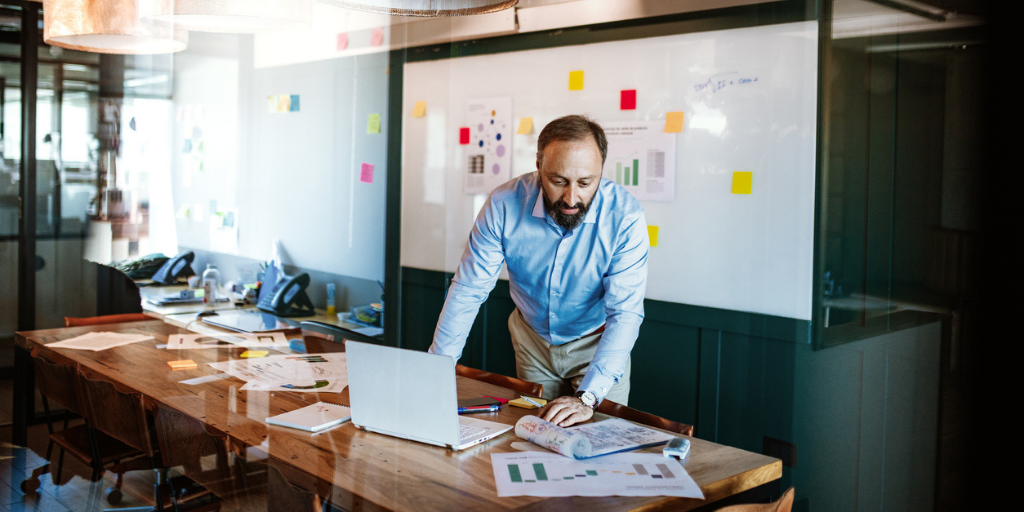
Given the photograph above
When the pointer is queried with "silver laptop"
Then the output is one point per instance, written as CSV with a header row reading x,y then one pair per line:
x,y
411,394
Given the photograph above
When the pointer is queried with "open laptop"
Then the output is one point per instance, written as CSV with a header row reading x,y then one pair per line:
x,y
411,395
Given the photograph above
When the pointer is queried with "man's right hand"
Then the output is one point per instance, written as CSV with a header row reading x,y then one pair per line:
x,y
565,411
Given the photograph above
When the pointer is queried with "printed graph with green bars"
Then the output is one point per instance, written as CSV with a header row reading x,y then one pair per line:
x,y
627,172
571,470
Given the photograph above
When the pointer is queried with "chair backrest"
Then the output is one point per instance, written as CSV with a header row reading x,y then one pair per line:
x,y
283,496
70,321
185,441
58,383
524,387
783,504
628,413
119,414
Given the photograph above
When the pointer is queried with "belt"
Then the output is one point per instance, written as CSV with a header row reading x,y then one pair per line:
x,y
599,330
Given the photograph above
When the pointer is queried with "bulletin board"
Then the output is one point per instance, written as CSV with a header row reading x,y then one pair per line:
x,y
737,233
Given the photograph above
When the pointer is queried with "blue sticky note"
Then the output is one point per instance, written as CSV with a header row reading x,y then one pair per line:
x,y
295,103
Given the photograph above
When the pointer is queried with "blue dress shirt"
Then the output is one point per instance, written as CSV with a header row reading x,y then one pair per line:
x,y
566,283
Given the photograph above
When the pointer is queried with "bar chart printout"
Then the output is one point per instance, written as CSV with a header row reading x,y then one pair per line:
x,y
621,474
641,158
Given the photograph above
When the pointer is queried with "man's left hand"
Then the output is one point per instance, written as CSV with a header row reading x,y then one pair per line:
x,y
565,411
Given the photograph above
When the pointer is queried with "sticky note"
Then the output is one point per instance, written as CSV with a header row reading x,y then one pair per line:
x,y
519,402
377,37
525,126
652,234
575,80
673,122
294,103
255,353
182,365
627,99
271,104
342,41
373,124
742,182
419,109
464,135
283,103
366,173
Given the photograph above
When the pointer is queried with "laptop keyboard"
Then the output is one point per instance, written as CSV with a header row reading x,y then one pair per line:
x,y
467,431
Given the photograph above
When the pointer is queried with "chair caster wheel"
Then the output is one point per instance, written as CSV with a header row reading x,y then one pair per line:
x,y
30,485
114,495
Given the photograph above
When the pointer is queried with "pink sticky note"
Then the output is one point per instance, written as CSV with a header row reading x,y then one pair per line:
x,y
366,175
342,41
627,100
377,37
464,135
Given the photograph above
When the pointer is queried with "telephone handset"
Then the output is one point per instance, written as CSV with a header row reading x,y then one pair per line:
x,y
172,269
288,297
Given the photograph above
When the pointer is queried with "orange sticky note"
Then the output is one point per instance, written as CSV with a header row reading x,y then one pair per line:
x,y
652,234
673,122
184,364
525,126
742,182
576,80
419,109
284,103
255,353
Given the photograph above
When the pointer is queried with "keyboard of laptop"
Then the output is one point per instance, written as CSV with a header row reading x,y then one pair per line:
x,y
467,431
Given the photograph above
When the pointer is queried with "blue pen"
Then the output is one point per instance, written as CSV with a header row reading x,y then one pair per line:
x,y
480,408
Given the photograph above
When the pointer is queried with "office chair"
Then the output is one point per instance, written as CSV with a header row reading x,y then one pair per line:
x,y
204,456
783,504
523,387
628,413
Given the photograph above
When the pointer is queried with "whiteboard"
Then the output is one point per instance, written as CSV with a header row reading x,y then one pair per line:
x,y
749,98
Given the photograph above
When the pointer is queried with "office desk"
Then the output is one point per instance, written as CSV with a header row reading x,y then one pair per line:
x,y
366,469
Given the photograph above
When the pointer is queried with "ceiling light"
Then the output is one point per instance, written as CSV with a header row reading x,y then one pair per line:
x,y
431,8
106,26
234,16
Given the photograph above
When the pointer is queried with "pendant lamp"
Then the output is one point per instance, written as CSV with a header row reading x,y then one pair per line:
x,y
233,16
432,8
106,26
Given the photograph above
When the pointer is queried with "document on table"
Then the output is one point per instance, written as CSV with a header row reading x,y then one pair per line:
x,y
621,474
96,341
201,341
320,373
591,439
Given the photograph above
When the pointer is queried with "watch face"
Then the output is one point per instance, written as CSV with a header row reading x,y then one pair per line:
x,y
587,398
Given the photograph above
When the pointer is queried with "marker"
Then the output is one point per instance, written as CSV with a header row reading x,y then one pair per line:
x,y
480,408
530,400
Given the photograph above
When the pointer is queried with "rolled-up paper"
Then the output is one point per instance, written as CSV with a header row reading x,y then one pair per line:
x,y
554,438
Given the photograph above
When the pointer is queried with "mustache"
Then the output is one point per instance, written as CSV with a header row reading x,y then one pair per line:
x,y
562,204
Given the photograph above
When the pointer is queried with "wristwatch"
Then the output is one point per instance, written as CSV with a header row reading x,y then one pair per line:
x,y
589,399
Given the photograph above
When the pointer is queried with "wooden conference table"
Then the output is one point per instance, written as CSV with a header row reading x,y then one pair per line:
x,y
362,469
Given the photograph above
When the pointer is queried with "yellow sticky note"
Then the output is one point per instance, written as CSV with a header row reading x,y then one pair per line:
x,y
373,124
419,109
255,353
525,126
742,182
184,364
271,104
519,402
284,103
576,80
652,234
673,122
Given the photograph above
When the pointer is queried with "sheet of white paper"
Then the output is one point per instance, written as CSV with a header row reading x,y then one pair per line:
x,y
202,341
489,152
100,341
369,331
616,434
206,378
641,158
622,474
320,373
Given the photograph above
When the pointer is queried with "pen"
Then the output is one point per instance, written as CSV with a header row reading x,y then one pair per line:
x,y
532,401
480,408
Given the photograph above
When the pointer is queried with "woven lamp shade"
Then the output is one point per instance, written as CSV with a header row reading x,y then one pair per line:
x,y
233,16
431,8
106,26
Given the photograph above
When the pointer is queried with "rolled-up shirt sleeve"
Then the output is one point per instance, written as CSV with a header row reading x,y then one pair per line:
x,y
474,279
625,285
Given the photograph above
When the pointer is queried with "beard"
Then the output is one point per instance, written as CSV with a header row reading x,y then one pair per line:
x,y
567,222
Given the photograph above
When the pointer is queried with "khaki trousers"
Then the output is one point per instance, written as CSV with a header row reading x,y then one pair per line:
x,y
560,368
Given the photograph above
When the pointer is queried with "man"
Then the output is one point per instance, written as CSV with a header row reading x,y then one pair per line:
x,y
576,250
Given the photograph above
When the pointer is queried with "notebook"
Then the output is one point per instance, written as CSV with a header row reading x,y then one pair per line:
x,y
411,395
313,418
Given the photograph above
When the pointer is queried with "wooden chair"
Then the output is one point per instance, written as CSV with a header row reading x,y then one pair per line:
x,y
783,504
286,496
59,383
70,321
520,386
628,413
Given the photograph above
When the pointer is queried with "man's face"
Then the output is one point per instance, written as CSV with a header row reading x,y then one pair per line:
x,y
570,173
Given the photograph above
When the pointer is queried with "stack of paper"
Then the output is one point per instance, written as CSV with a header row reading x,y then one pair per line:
x,y
100,341
319,373
590,439
313,418
201,341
